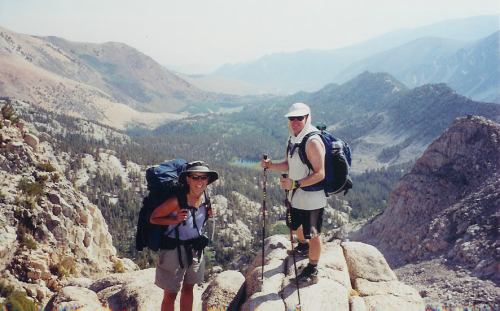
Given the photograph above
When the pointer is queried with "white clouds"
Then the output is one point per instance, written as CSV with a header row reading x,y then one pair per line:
x,y
210,33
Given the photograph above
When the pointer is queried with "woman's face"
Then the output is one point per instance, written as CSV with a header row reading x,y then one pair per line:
x,y
197,182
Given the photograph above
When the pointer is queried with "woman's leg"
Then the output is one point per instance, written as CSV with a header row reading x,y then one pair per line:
x,y
187,297
168,301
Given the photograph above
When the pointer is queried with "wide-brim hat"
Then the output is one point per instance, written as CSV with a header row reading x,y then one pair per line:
x,y
199,167
297,110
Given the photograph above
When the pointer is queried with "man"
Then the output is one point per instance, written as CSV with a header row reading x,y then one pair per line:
x,y
307,206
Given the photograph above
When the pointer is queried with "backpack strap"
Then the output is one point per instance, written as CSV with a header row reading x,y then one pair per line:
x,y
290,148
208,206
179,254
302,149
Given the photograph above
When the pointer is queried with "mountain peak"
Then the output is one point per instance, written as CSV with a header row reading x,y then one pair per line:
x,y
444,206
377,79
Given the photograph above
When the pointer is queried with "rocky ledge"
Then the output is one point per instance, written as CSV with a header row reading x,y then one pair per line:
x,y
353,277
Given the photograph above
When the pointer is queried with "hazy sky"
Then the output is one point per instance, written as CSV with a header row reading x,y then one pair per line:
x,y
196,36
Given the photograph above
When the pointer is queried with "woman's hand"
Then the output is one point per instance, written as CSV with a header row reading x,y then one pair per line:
x,y
182,215
211,212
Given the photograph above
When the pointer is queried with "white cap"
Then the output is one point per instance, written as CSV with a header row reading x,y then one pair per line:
x,y
297,110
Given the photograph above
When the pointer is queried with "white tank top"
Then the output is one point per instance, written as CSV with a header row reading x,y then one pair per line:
x,y
305,200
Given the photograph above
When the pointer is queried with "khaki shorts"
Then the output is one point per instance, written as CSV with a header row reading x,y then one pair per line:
x,y
169,274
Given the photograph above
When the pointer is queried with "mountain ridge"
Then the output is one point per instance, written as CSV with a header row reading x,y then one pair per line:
x,y
111,83
456,170
314,69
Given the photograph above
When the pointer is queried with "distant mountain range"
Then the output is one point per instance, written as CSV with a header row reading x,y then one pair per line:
x,y
117,85
111,82
385,122
439,53
472,70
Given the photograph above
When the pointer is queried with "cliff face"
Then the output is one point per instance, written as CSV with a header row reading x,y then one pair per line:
x,y
48,230
449,204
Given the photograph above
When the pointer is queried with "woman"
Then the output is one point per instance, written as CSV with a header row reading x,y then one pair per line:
x,y
181,262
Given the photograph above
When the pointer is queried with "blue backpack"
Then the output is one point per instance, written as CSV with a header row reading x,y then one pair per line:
x,y
337,163
163,183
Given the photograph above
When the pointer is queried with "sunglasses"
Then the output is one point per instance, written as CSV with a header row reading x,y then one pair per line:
x,y
299,118
198,177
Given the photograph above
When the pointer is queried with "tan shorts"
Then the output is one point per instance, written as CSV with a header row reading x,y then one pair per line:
x,y
169,274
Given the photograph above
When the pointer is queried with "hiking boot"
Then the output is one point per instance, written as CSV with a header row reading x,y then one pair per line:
x,y
308,276
301,250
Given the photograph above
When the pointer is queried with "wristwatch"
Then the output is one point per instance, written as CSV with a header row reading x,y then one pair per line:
x,y
296,184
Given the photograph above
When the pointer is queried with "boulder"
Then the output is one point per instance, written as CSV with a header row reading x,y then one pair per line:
x,y
224,291
264,301
32,141
395,288
75,298
136,291
365,261
54,198
392,303
341,265
357,303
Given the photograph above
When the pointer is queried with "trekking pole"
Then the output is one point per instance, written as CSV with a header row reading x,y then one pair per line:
x,y
289,220
209,207
264,195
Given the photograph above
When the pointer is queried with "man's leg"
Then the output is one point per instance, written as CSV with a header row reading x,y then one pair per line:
x,y
315,244
299,217
300,235
312,231
187,297
302,248
168,301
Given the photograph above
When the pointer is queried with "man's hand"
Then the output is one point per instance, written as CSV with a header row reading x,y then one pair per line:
x,y
265,163
286,183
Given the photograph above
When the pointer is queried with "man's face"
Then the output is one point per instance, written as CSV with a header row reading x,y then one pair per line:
x,y
297,123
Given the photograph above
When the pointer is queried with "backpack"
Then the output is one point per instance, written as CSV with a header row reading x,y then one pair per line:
x,y
337,163
162,182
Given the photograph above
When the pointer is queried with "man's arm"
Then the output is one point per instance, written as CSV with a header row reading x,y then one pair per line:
x,y
281,166
315,151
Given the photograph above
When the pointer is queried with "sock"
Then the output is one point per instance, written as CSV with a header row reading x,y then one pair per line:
x,y
302,247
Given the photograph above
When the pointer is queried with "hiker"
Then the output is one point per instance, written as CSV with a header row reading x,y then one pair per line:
x,y
180,262
306,206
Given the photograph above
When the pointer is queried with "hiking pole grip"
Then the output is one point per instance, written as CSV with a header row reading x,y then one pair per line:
x,y
285,176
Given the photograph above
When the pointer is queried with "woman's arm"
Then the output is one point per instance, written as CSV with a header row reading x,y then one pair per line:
x,y
164,214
